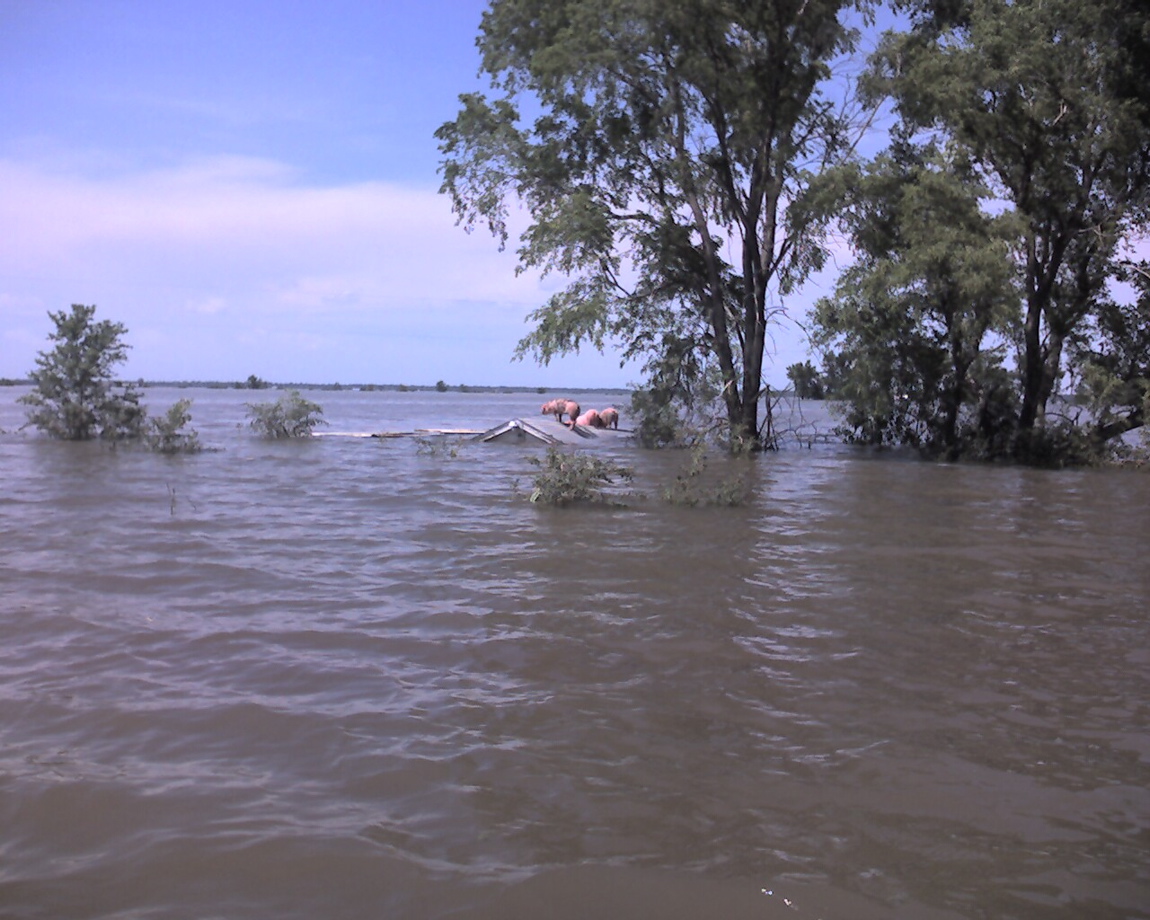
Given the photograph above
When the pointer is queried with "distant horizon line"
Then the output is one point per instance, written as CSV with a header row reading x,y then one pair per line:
x,y
440,387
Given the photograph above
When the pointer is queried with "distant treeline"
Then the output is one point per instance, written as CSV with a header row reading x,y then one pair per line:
x,y
255,383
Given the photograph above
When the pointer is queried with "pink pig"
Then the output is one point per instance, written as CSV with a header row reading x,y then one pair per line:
x,y
590,419
561,407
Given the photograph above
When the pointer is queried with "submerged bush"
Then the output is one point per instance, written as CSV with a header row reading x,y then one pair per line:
x,y
290,416
693,487
166,434
440,447
567,478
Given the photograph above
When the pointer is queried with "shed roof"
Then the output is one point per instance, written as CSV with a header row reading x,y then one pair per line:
x,y
546,431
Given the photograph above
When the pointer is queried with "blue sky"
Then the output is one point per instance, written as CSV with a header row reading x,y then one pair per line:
x,y
250,186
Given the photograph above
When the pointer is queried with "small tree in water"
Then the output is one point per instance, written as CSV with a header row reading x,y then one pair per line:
x,y
75,397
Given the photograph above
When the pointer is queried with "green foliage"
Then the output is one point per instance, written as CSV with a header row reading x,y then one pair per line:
x,y
682,403
575,478
290,416
668,138
1113,359
441,386
75,397
439,447
806,381
694,485
166,434
1038,113
907,326
255,383
1050,102
658,422
662,409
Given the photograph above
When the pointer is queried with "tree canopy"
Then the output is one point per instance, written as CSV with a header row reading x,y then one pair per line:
x,y
1042,110
663,150
806,381
932,286
1112,356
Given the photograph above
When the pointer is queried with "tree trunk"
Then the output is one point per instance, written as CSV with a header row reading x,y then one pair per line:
x,y
1051,364
1032,367
745,432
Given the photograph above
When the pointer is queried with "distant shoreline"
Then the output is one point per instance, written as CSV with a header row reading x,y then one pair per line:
x,y
363,387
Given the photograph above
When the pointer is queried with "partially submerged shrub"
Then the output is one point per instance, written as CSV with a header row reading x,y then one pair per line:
x,y
1059,444
166,434
290,416
566,478
439,447
692,485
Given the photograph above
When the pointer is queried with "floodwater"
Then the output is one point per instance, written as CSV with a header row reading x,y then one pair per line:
x,y
351,678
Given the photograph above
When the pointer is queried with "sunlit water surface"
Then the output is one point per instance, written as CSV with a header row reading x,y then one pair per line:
x,y
352,678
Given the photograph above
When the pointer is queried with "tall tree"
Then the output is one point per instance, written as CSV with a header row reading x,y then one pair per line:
x,y
659,146
1050,99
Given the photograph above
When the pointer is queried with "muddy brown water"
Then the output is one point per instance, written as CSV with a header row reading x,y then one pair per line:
x,y
364,679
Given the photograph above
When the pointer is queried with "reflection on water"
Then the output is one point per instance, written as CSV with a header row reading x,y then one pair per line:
x,y
349,678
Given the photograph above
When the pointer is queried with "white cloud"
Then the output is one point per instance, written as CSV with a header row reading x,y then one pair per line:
x,y
232,255
253,219
209,305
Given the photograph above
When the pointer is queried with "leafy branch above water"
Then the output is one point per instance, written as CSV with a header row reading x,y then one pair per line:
x,y
564,479
570,478
167,434
694,486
